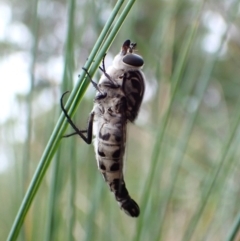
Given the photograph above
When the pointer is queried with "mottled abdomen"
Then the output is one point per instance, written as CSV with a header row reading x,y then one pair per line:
x,y
133,88
110,148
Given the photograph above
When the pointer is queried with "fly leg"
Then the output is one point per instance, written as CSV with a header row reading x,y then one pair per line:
x,y
112,83
88,137
75,133
103,64
93,83
102,94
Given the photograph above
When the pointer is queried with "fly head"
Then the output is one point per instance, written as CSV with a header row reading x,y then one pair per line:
x,y
127,59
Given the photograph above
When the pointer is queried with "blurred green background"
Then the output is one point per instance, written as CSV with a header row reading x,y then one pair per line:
x,y
182,160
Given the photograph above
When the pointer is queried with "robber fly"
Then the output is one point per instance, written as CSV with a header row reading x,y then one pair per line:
x,y
115,103
126,73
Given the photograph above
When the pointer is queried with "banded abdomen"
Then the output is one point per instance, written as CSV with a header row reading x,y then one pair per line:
x,y
110,130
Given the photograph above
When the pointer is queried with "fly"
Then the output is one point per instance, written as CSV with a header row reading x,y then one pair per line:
x,y
118,99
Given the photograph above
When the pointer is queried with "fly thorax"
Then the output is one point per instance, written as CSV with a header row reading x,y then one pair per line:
x,y
116,76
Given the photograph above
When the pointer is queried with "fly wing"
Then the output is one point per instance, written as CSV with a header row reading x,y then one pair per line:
x,y
133,87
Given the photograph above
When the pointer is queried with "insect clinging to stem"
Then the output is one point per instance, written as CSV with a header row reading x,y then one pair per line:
x,y
119,96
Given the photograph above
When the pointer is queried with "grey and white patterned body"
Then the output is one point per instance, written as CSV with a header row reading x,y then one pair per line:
x,y
109,128
119,96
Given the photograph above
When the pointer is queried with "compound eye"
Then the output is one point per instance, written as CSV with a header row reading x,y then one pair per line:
x,y
133,60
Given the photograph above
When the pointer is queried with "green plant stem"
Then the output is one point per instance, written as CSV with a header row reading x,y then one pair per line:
x,y
211,183
185,135
61,125
213,178
176,79
27,147
235,229
26,158
67,81
96,196
72,216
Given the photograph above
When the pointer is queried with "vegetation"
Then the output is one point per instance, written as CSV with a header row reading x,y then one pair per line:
x,y
182,157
